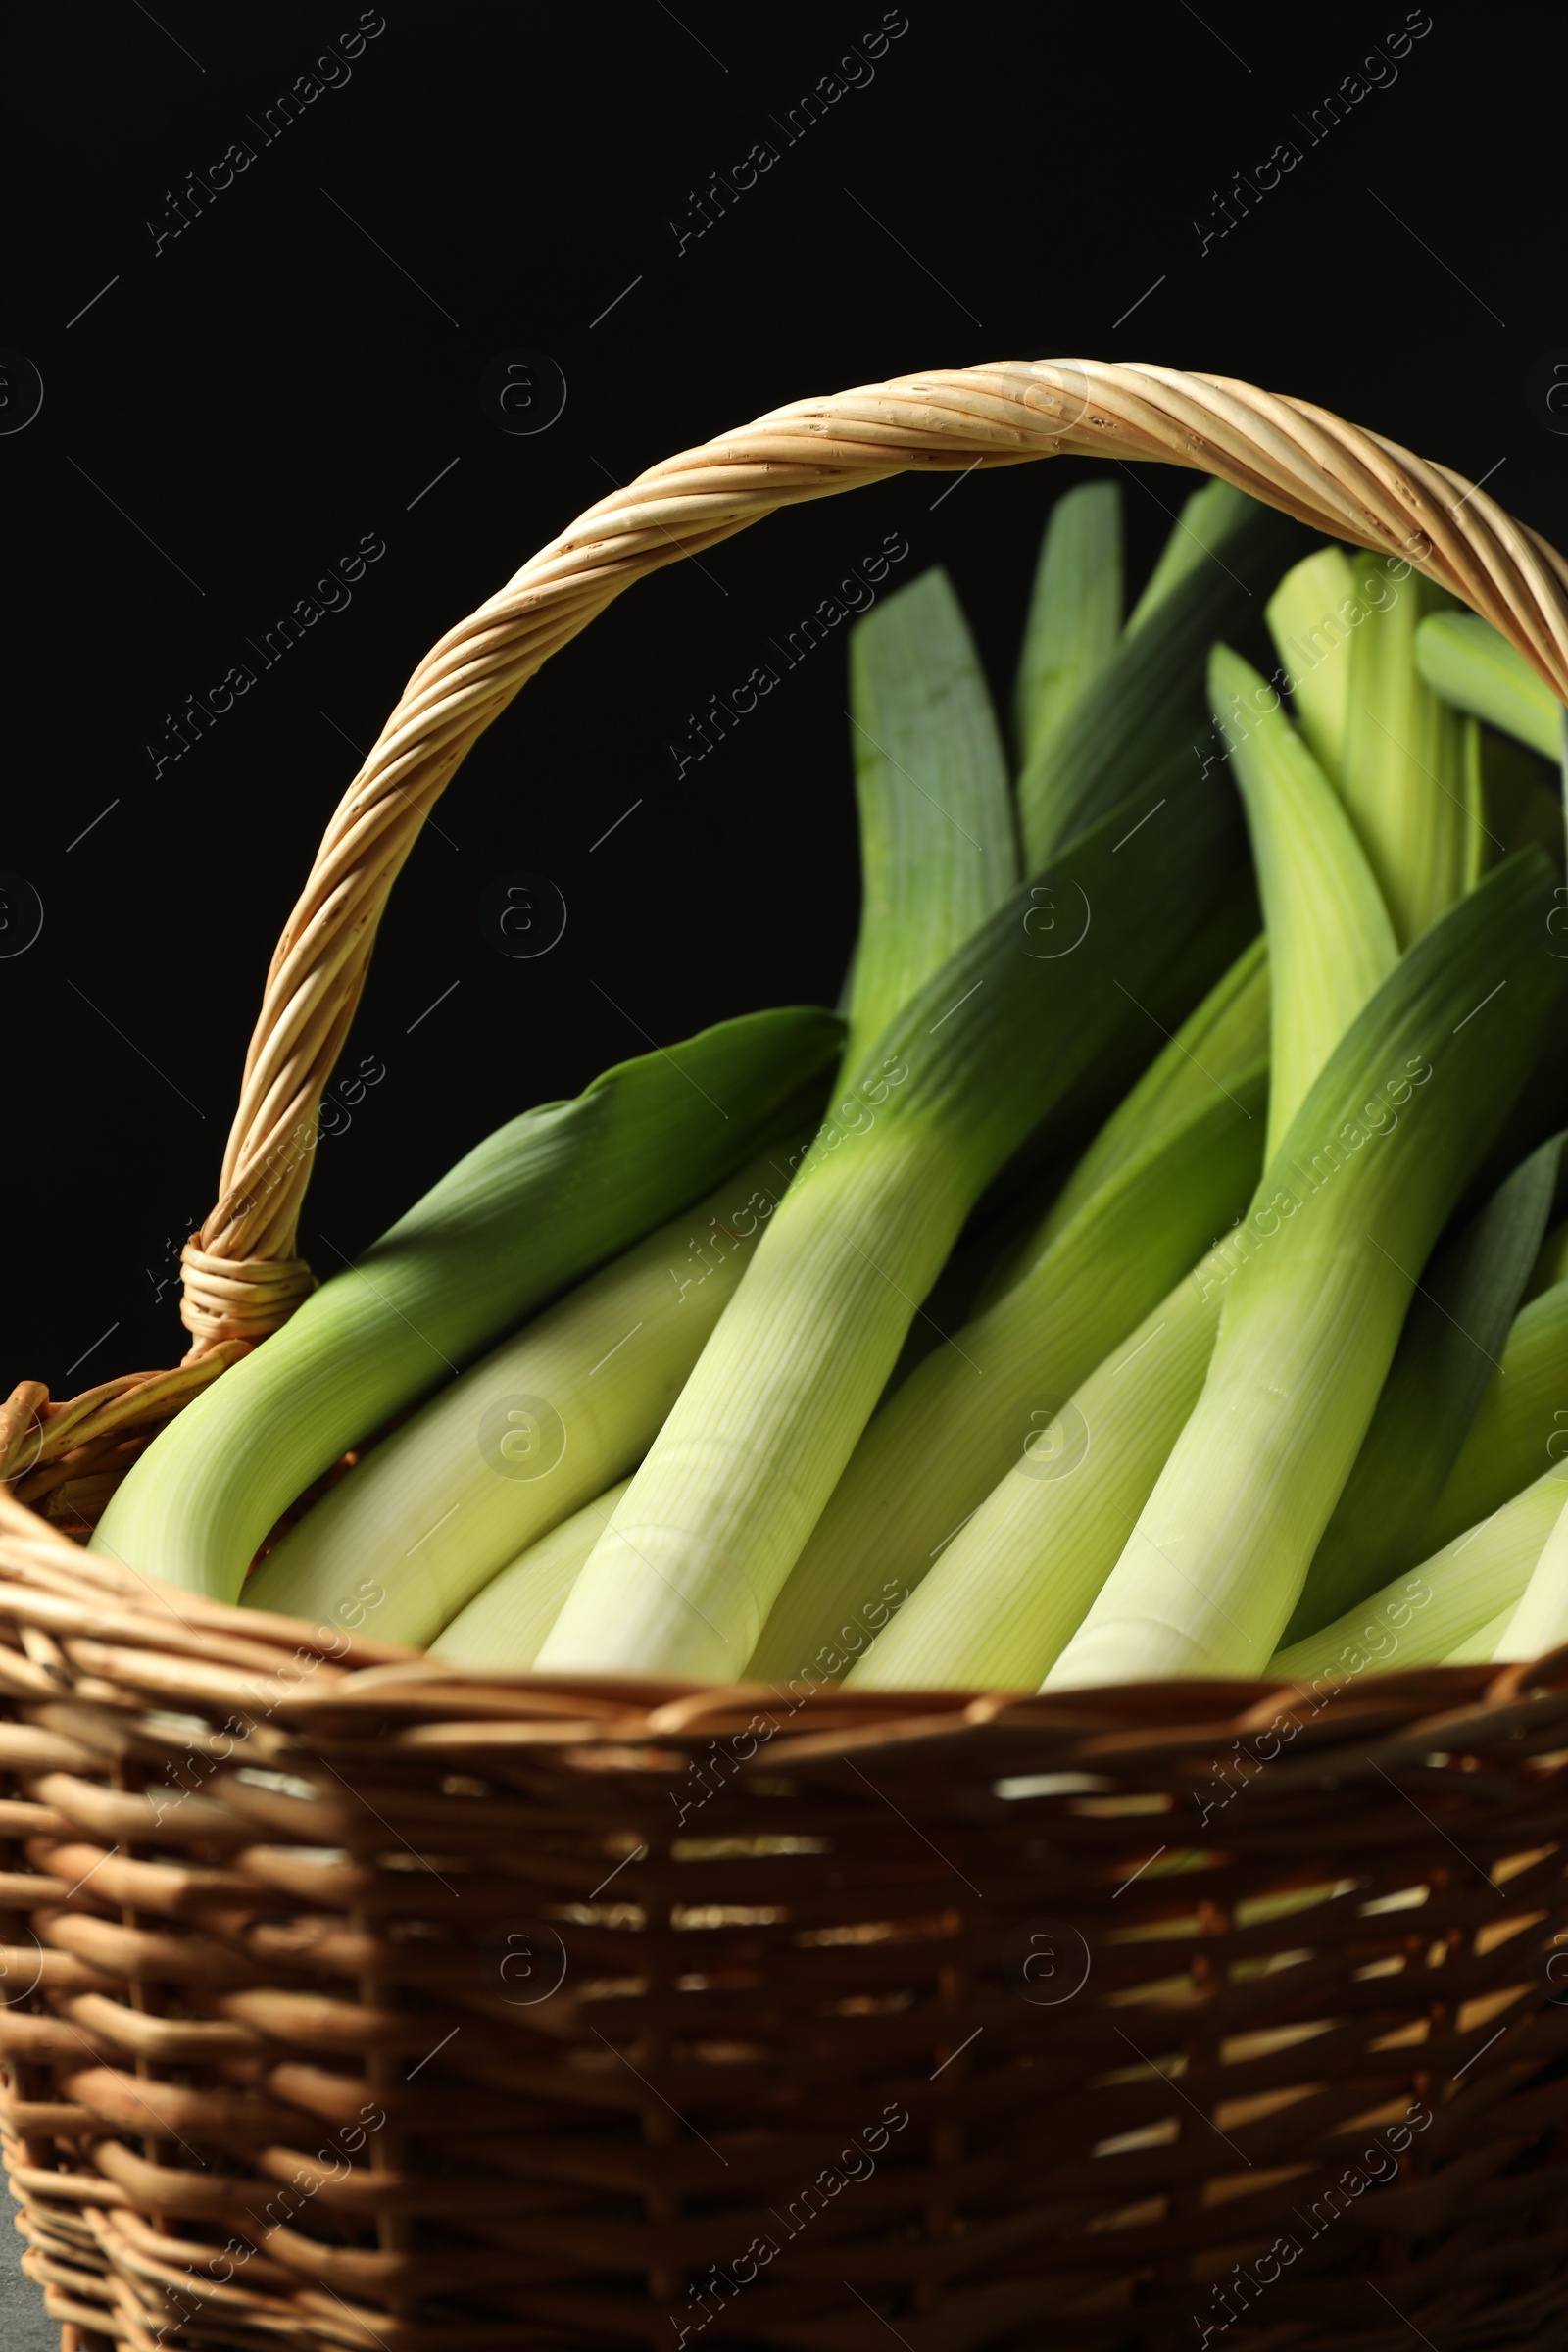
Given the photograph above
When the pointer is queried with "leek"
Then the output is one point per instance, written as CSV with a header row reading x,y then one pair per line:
x,y
505,1624
935,1450
1445,1601
1213,1570
1457,1329
531,1208
1008,1594
531,1433
720,1509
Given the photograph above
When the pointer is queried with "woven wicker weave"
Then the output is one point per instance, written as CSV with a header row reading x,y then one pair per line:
x,y
353,2000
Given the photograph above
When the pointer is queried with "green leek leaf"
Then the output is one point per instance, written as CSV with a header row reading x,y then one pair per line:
x,y
1008,1594
937,847
1137,723
1074,615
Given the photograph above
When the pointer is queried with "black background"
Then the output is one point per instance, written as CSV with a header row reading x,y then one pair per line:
x,y
227,413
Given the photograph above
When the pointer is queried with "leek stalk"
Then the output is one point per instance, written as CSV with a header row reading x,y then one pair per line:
x,y
1411,768
1213,1570
1008,1594
1330,939
531,1433
1445,1600
953,1429
720,1509
1540,1622
1453,1335
1310,617
504,1625
529,1209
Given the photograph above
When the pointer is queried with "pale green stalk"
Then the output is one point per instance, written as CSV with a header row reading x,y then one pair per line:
x,y
528,1211
1006,1596
718,1512
1210,1061
950,1432
504,1625
1345,629
532,1432
1411,786
1540,1622
1483,1648
1478,844
1212,1572
1336,946
938,851
1520,1426
1426,1613
1464,659
1310,618
1453,1336
1074,613
1331,943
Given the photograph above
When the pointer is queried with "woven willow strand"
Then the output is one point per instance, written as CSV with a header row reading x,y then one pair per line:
x,y
242,1277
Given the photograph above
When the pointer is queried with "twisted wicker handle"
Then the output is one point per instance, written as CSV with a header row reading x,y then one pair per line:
x,y
242,1278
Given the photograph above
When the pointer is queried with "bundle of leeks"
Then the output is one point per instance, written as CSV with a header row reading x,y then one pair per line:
x,y
1121,1289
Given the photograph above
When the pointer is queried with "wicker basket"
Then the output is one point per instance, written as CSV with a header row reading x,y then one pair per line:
x,y
354,2001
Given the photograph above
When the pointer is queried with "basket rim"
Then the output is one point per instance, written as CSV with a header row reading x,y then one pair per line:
x,y
77,1614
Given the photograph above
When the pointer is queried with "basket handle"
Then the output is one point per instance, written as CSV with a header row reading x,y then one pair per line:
x,y
242,1277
